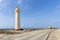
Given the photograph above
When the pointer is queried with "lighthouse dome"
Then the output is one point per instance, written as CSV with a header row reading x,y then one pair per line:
x,y
17,10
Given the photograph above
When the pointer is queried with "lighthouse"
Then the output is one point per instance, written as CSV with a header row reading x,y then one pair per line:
x,y
17,19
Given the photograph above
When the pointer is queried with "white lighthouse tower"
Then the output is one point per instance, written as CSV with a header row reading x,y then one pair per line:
x,y
17,19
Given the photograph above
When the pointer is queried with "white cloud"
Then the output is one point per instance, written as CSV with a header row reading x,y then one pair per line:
x,y
0,1
3,4
58,6
19,1
6,3
23,4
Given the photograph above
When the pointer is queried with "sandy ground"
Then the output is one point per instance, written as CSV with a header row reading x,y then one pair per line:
x,y
55,35
33,35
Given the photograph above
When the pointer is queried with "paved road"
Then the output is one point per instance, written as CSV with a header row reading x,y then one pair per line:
x,y
33,35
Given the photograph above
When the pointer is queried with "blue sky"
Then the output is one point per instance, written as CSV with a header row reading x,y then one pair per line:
x,y
34,13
